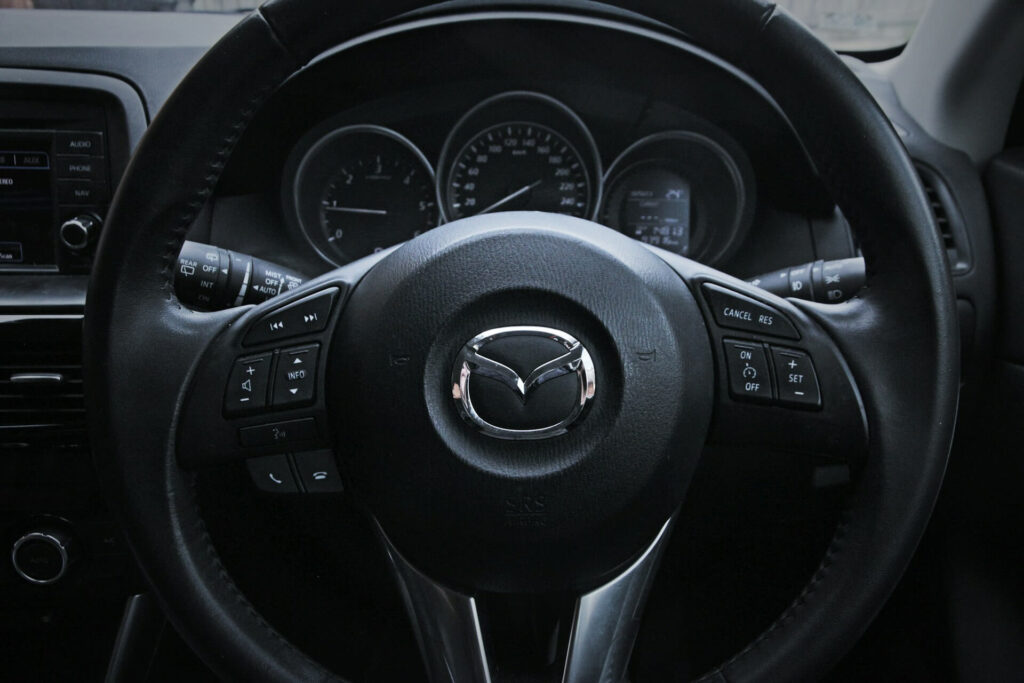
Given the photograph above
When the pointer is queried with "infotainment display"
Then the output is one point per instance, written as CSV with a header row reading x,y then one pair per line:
x,y
26,201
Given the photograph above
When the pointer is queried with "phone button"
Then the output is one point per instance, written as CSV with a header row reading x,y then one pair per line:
x,y
271,473
318,471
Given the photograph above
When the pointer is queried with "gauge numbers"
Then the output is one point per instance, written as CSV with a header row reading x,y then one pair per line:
x,y
360,189
375,200
519,166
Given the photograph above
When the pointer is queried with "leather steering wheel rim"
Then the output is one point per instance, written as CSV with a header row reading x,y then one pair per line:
x,y
910,393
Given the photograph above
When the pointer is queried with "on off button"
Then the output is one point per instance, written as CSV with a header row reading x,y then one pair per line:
x,y
748,370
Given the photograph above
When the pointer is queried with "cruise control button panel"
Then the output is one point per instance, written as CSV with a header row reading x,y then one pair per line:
x,y
247,385
771,374
738,312
748,370
304,316
795,376
295,378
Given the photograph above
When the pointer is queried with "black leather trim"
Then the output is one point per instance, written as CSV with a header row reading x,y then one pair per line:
x,y
141,344
900,336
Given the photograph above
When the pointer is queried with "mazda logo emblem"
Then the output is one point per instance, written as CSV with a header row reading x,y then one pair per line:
x,y
523,382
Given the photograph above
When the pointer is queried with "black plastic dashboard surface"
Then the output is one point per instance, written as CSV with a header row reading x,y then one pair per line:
x,y
589,71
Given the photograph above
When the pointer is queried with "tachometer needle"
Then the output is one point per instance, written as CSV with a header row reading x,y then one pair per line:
x,y
518,193
352,209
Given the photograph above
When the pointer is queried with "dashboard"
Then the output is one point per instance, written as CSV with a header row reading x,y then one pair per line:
x,y
366,148
356,189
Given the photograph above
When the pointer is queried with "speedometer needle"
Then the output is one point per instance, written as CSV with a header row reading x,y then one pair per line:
x,y
518,193
352,209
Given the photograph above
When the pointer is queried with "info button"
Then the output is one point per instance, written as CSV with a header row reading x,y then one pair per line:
x,y
296,376
739,312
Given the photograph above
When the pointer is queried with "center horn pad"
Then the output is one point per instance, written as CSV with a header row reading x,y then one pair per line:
x,y
520,400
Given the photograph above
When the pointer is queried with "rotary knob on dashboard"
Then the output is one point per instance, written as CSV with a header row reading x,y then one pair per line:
x,y
78,233
42,556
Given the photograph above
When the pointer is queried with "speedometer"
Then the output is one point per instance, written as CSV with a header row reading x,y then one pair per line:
x,y
519,166
519,151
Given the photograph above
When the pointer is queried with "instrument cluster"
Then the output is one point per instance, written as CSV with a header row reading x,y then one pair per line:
x,y
363,188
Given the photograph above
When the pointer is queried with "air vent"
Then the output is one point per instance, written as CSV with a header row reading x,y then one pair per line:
x,y
41,401
947,218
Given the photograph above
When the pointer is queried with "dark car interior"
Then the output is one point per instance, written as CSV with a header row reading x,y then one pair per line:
x,y
511,341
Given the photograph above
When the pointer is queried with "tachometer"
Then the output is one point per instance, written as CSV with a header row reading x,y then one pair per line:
x,y
361,189
519,151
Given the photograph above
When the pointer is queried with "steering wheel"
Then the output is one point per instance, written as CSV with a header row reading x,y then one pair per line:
x,y
520,399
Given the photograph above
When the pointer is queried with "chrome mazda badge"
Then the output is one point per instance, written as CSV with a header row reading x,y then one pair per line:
x,y
523,382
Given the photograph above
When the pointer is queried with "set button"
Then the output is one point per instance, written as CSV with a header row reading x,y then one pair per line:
x,y
794,372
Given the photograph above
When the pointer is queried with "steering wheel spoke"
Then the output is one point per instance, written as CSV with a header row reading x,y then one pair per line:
x,y
258,391
454,641
781,381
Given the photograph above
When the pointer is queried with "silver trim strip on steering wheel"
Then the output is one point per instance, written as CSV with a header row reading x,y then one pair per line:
x,y
604,627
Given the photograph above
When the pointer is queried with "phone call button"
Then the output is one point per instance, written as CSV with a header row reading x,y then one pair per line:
x,y
272,473
318,472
